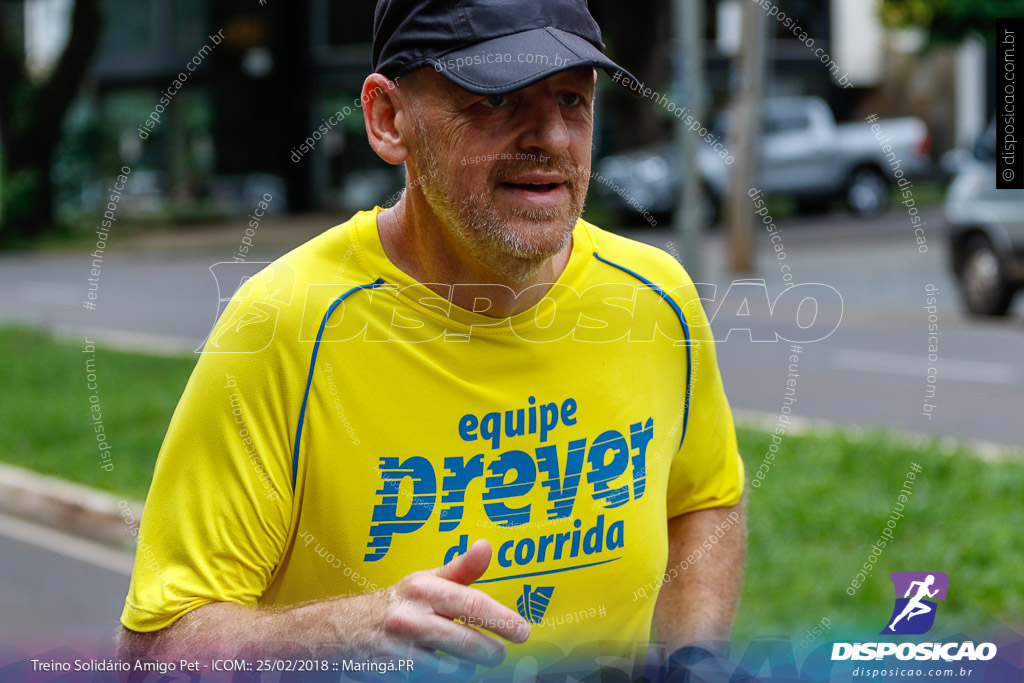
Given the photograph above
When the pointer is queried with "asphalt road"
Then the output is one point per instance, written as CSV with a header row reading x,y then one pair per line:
x,y
872,370
56,589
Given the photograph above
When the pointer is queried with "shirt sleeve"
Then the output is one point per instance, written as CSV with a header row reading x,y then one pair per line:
x,y
218,511
707,470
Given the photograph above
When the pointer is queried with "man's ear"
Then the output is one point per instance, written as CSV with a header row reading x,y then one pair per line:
x,y
380,108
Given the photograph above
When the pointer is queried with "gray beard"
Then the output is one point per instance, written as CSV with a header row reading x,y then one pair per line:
x,y
493,238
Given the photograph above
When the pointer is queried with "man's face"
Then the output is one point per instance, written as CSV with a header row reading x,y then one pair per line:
x,y
506,174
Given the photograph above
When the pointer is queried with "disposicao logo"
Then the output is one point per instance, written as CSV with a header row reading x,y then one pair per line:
x,y
914,614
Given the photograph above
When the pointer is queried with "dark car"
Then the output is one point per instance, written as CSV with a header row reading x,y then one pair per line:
x,y
986,233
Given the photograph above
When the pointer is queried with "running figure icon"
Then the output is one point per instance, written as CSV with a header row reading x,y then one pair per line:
x,y
915,606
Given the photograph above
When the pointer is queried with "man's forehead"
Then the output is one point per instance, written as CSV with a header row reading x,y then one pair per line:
x,y
430,80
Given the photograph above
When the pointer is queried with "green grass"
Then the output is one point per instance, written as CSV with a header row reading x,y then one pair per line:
x,y
828,497
821,505
46,421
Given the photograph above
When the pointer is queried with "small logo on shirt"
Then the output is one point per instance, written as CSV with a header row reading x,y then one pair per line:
x,y
533,604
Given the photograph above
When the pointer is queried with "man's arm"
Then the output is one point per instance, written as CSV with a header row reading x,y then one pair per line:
x,y
698,605
410,619
231,630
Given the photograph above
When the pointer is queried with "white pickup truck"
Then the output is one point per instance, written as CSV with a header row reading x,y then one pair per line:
x,y
804,155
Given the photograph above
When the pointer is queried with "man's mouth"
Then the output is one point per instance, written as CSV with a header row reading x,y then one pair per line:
x,y
541,195
541,188
537,188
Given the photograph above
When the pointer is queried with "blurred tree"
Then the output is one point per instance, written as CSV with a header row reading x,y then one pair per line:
x,y
949,21
31,114
638,38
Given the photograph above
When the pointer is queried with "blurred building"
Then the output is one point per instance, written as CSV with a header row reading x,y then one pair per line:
x,y
261,77
887,74
265,77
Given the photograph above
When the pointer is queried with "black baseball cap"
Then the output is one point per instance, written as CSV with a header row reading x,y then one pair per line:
x,y
488,47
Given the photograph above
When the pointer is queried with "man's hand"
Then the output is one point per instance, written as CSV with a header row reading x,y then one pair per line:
x,y
411,619
424,609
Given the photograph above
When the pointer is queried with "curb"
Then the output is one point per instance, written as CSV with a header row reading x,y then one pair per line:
x,y
988,451
73,508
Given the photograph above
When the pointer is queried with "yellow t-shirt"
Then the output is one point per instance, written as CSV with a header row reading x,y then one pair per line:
x,y
346,425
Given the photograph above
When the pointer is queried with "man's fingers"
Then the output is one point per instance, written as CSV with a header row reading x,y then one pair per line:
x,y
469,566
461,641
476,608
427,632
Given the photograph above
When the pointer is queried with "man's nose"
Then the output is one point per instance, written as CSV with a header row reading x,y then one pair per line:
x,y
545,128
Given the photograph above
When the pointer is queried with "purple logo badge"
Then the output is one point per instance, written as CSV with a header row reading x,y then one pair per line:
x,y
914,613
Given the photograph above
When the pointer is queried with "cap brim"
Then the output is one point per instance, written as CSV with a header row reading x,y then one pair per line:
x,y
503,65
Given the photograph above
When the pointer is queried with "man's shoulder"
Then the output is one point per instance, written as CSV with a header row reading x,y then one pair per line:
x,y
285,299
644,262
333,259
333,256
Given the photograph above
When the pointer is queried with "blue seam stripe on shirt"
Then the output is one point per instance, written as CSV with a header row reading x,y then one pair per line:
x,y
312,366
686,333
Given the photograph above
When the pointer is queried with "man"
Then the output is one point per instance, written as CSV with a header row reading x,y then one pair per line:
x,y
471,424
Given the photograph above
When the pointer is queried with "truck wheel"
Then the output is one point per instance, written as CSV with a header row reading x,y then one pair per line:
x,y
711,206
867,192
982,279
710,209
813,205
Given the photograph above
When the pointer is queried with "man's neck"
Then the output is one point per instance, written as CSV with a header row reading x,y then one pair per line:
x,y
430,255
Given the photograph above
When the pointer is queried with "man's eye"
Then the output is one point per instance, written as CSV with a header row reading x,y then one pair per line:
x,y
571,99
494,101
